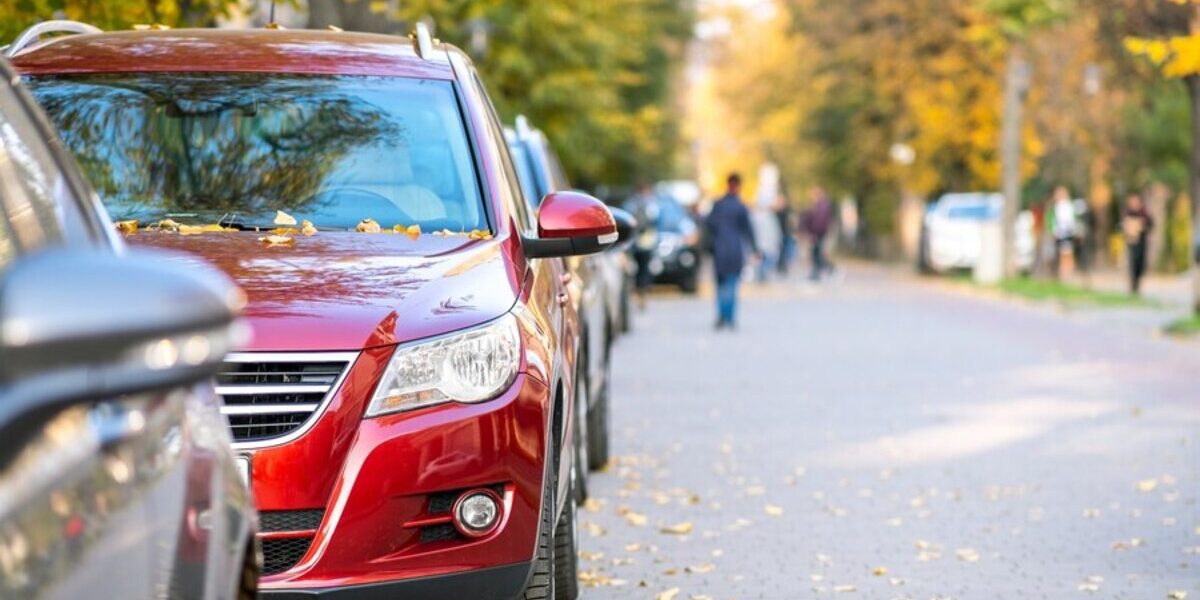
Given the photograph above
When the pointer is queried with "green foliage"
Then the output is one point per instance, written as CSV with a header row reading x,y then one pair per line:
x,y
16,15
598,77
1043,290
1187,326
1018,18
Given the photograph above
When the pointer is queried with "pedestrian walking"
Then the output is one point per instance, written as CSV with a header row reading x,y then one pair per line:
x,y
730,235
816,222
783,220
1136,224
644,207
1064,229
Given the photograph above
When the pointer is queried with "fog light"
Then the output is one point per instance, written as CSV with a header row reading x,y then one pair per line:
x,y
477,512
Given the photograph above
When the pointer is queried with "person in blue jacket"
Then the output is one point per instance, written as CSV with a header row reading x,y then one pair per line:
x,y
731,238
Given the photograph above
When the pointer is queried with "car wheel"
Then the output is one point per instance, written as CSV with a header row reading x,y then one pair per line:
x,y
251,570
541,582
582,424
599,423
690,283
566,559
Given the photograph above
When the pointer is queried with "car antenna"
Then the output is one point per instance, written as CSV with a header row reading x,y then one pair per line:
x,y
271,24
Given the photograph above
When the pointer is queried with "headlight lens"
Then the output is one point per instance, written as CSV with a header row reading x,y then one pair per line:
x,y
470,366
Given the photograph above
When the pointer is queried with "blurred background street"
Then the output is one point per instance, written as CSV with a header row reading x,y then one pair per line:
x,y
900,439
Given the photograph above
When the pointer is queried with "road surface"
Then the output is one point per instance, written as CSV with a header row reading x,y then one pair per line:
x,y
888,437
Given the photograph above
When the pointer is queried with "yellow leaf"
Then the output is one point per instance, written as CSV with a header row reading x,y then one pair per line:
x,y
129,227
683,528
368,225
774,511
282,218
635,519
307,228
199,229
413,231
1147,485
668,595
165,225
277,240
879,571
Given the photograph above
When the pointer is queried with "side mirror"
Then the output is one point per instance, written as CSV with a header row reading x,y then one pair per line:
x,y
81,325
571,224
626,225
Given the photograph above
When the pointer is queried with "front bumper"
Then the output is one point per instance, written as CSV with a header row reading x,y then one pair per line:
x,y
379,489
495,583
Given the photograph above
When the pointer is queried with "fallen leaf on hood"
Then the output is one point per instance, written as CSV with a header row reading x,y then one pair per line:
x,y
479,234
774,511
368,225
282,218
199,229
129,227
413,231
635,519
701,569
277,240
165,225
683,528
967,555
879,571
307,228
667,595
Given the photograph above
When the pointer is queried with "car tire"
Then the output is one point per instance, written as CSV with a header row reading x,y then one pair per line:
x,y
566,557
600,423
690,283
542,580
251,571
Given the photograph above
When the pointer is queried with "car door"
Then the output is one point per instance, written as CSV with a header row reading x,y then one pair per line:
x,y
71,505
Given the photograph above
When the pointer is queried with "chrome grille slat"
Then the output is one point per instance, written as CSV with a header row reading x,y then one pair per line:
x,y
272,397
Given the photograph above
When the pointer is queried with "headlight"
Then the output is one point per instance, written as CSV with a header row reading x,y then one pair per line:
x,y
469,366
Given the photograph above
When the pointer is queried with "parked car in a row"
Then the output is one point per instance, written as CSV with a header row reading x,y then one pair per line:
x,y
116,475
600,285
952,235
668,241
406,404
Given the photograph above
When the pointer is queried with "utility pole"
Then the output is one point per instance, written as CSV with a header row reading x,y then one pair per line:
x,y
1193,84
1016,84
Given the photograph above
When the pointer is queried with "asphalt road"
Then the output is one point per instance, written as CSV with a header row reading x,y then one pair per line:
x,y
886,437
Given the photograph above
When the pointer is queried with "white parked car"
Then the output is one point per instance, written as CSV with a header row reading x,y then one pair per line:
x,y
952,233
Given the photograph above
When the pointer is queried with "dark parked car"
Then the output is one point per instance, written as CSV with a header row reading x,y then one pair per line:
x,y
406,399
116,475
671,237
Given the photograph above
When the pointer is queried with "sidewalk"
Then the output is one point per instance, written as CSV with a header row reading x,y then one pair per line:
x,y
1173,291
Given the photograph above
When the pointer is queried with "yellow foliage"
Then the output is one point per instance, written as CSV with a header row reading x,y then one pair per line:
x,y
1175,57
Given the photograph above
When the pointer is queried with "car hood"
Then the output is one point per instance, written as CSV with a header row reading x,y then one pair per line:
x,y
349,291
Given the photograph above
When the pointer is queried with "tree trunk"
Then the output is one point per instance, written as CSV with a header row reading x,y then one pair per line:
x,y
1015,82
1193,86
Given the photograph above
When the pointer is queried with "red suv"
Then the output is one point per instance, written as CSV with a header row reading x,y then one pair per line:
x,y
404,406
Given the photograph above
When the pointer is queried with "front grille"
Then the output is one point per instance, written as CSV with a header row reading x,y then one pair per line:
x,y
270,395
438,533
290,520
280,555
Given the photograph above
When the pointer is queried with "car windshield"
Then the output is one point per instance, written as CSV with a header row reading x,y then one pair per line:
x,y
972,212
672,217
237,147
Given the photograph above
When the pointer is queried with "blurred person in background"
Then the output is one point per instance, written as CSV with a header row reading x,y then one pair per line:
x,y
1062,223
730,234
643,205
816,222
768,237
1136,224
787,245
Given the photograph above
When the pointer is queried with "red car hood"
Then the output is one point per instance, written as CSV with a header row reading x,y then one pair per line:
x,y
349,291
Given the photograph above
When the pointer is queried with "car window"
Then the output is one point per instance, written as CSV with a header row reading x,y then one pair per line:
x,y
237,147
523,215
36,197
524,175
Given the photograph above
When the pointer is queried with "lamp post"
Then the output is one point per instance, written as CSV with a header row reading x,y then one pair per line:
x,y
1016,85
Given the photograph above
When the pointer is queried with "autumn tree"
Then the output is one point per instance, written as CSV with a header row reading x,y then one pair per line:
x,y
16,15
1167,33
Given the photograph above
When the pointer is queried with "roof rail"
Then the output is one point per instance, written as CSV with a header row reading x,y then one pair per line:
x,y
424,40
34,34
